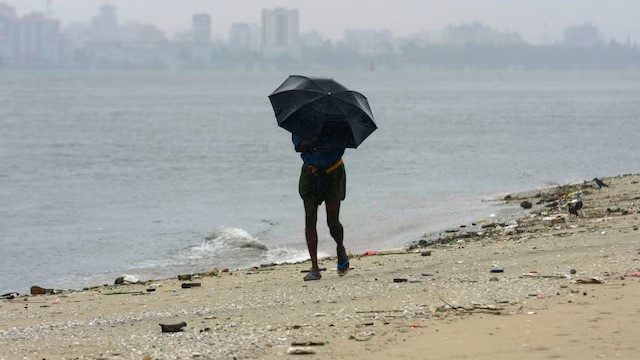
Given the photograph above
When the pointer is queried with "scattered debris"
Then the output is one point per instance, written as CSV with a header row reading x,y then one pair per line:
x,y
592,280
301,351
9,296
125,293
308,343
212,272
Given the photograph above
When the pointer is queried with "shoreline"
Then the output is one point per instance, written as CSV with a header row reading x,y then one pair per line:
x,y
259,312
509,213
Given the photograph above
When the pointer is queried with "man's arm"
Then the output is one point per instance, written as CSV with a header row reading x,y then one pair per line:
x,y
302,145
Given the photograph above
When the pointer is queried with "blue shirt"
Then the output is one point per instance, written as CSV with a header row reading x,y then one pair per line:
x,y
320,158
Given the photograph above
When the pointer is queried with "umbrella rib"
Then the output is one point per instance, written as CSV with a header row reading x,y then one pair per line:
x,y
303,90
353,136
367,111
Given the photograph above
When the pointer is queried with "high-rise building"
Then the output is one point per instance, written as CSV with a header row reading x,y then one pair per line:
x,y
280,29
8,34
243,36
105,26
39,40
202,46
585,35
201,29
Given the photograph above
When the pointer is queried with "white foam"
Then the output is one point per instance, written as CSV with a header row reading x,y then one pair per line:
x,y
233,238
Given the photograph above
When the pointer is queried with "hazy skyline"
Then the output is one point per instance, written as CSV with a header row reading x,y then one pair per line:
x,y
534,19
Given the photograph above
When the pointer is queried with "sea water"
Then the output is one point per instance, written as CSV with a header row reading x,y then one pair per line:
x,y
157,173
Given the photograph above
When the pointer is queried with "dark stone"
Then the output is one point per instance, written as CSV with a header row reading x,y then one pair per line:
x,y
185,277
170,328
526,205
399,280
573,271
426,253
119,281
423,243
508,197
497,270
190,285
37,290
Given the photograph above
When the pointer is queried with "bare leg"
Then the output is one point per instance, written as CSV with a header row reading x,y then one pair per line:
x,y
311,232
335,228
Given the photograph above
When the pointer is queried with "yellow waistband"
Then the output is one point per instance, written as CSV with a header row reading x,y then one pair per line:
x,y
314,170
335,166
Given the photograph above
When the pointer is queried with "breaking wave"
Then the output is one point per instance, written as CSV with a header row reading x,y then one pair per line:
x,y
233,238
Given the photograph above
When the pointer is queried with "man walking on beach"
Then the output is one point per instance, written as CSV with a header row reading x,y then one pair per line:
x,y
323,179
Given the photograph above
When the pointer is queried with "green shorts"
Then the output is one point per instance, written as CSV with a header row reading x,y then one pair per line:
x,y
321,187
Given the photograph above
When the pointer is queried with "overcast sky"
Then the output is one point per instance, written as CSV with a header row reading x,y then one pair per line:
x,y
616,18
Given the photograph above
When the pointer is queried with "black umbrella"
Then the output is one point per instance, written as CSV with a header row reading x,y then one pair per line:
x,y
323,111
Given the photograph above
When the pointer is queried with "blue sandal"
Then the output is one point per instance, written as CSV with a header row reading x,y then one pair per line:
x,y
312,276
343,268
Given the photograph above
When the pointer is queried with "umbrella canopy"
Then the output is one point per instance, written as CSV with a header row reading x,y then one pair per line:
x,y
323,111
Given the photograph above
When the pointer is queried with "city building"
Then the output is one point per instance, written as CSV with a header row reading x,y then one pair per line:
x,y
202,46
243,36
201,29
39,40
105,27
585,35
8,35
369,42
478,34
280,30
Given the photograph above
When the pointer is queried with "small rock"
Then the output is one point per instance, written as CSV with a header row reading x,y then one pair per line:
x,y
130,279
507,197
190,285
573,271
496,270
526,205
426,253
119,280
170,328
212,272
494,278
301,351
37,290
399,280
184,277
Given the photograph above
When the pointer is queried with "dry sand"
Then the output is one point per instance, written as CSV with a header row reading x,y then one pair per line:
x,y
451,305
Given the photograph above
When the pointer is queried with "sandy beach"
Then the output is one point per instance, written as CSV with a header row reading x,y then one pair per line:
x,y
549,286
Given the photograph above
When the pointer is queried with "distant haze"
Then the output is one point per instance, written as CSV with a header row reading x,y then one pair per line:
x,y
537,20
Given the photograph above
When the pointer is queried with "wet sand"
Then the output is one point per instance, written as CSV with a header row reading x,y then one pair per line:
x,y
450,306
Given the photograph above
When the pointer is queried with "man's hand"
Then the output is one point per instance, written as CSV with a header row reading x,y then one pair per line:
x,y
304,146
